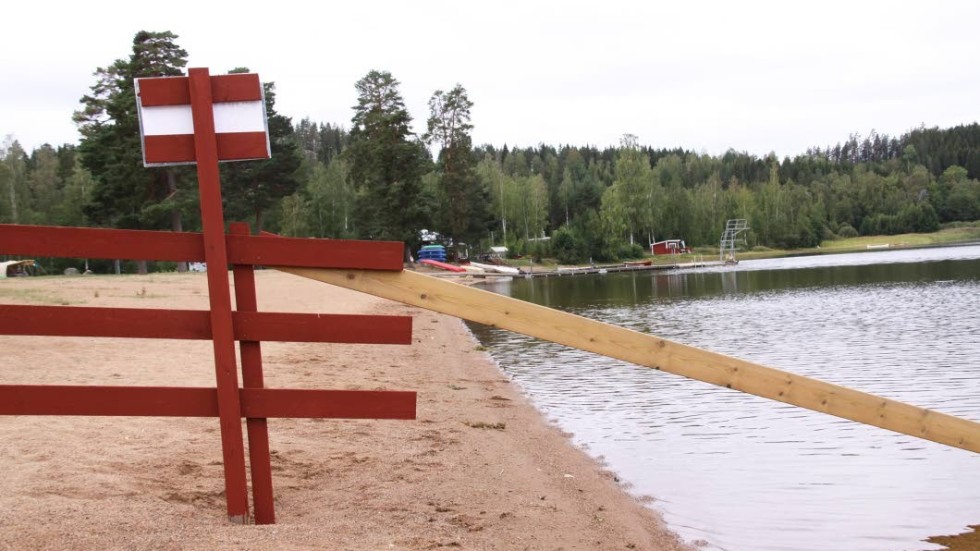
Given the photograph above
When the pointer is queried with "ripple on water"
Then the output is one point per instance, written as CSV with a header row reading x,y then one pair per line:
x,y
744,473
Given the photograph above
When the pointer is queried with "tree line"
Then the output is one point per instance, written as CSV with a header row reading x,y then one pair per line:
x,y
377,179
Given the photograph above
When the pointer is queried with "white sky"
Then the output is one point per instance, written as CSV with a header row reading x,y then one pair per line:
x,y
708,76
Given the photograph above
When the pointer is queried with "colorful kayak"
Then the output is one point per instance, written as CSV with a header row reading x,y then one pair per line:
x,y
441,265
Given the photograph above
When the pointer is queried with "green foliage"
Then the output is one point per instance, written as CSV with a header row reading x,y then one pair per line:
x,y
13,178
628,251
386,163
110,149
463,198
630,198
253,188
846,231
567,247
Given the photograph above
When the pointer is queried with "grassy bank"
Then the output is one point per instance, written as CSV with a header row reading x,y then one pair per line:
x,y
949,235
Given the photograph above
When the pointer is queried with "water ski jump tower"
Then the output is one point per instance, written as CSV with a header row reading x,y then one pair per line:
x,y
729,238
370,267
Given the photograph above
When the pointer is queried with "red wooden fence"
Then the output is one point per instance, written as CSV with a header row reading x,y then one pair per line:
x,y
223,326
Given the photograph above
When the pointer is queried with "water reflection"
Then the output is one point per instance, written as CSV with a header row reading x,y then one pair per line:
x,y
744,473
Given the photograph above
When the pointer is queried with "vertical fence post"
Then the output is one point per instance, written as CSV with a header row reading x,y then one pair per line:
x,y
222,332
257,428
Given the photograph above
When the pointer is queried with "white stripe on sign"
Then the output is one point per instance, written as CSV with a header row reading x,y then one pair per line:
x,y
167,120
236,116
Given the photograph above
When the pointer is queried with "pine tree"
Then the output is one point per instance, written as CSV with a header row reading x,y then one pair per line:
x,y
386,163
254,187
127,195
466,198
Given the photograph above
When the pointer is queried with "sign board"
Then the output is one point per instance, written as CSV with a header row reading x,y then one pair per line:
x,y
167,125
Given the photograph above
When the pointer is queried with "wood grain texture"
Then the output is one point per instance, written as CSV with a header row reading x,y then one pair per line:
x,y
222,330
139,323
256,428
72,242
143,401
654,352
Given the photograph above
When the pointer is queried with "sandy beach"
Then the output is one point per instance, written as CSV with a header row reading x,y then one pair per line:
x,y
479,469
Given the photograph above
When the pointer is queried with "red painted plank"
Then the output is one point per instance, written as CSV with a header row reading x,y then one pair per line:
x,y
179,148
341,328
137,323
237,87
222,332
108,400
268,250
332,404
155,92
71,242
81,321
238,146
128,401
257,428
171,148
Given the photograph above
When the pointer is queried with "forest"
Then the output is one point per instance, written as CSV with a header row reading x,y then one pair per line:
x,y
374,178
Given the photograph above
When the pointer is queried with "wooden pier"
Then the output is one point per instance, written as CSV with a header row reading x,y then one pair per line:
x,y
626,267
584,270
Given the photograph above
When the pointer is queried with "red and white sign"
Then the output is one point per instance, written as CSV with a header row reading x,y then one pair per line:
x,y
167,126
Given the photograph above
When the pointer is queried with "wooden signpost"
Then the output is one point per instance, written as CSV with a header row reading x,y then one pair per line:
x,y
194,96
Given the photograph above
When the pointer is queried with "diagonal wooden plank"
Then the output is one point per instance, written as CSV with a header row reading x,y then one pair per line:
x,y
654,352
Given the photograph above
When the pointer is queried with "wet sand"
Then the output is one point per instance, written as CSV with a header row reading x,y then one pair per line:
x,y
479,469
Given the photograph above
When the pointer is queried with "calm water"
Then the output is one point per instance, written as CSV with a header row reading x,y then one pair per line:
x,y
740,473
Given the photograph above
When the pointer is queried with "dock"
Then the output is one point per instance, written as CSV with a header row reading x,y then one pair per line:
x,y
588,270
625,267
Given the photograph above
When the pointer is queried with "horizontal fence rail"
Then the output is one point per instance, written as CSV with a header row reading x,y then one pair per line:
x,y
83,321
265,250
124,401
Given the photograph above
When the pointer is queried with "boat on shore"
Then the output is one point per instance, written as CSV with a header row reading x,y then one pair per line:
x,y
496,268
442,265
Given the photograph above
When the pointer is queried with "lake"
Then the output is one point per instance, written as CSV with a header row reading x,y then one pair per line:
x,y
735,472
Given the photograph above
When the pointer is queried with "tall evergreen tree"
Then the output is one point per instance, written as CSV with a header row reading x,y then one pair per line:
x,y
127,195
254,187
387,163
466,199
631,190
13,179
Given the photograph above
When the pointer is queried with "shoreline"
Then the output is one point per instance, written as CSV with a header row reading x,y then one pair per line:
x,y
480,468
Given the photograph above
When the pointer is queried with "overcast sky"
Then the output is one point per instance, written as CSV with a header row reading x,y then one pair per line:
x,y
706,76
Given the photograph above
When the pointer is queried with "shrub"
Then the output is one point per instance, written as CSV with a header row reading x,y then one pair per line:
x,y
846,231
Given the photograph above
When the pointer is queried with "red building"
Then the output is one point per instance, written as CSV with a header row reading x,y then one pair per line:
x,y
670,246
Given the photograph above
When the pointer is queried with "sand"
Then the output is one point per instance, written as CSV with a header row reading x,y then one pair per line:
x,y
479,469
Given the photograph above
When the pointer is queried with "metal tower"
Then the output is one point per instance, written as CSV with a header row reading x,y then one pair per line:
x,y
733,227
